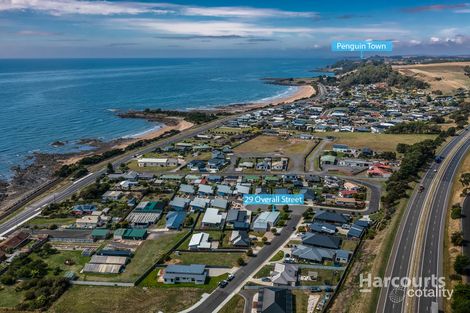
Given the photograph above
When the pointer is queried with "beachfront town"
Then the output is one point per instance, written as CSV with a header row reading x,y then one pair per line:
x,y
172,222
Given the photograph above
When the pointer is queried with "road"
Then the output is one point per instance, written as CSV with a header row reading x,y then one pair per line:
x,y
403,248
433,250
220,294
466,230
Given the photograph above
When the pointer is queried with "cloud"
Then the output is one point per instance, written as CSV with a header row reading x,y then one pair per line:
x,y
122,44
436,7
35,33
245,12
63,7
230,29
191,37
99,7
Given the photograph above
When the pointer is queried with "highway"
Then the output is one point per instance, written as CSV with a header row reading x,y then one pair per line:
x,y
30,211
404,247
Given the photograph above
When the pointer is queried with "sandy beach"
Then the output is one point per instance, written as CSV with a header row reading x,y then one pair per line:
x,y
302,92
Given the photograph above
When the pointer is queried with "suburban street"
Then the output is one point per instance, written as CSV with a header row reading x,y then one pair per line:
x,y
220,294
400,260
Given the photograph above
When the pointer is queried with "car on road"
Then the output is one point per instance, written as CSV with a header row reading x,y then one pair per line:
x,y
223,283
230,277
421,188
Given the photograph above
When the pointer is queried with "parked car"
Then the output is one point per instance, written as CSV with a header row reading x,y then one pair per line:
x,y
223,283
346,226
230,277
315,289
266,279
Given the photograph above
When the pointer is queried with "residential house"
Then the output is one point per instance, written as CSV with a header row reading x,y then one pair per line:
x,y
265,221
199,241
205,190
219,203
274,300
194,273
157,162
179,204
322,241
111,195
312,254
327,160
175,219
331,217
224,190
82,209
186,189
199,204
322,227
240,238
284,274
213,218
238,219
130,234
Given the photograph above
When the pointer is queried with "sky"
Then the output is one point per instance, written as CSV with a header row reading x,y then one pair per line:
x,y
223,28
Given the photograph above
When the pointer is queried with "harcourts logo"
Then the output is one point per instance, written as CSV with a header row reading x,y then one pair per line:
x,y
402,287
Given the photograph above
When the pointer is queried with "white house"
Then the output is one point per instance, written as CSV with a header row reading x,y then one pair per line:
x,y
161,162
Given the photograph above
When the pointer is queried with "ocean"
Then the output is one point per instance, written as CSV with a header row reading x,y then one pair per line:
x,y
42,101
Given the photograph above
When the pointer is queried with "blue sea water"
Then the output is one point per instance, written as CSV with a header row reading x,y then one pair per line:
x,y
42,101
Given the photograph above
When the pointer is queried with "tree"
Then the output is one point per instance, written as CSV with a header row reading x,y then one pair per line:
x,y
274,231
240,261
457,238
249,252
456,211
461,298
110,168
465,179
264,240
461,262
402,148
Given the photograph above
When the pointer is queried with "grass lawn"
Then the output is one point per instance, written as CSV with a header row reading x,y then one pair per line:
x,y
145,256
45,222
9,297
300,300
235,305
325,277
264,271
153,169
152,281
349,245
278,256
376,142
91,299
265,144
228,259
58,259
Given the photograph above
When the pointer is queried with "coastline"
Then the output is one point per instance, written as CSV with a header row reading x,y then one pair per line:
x,y
302,92
56,160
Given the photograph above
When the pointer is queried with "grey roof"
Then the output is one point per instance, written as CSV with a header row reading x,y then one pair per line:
x,y
320,227
224,189
284,273
179,202
219,203
275,300
355,231
199,202
206,189
312,253
323,241
186,189
240,238
344,254
330,217
185,269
